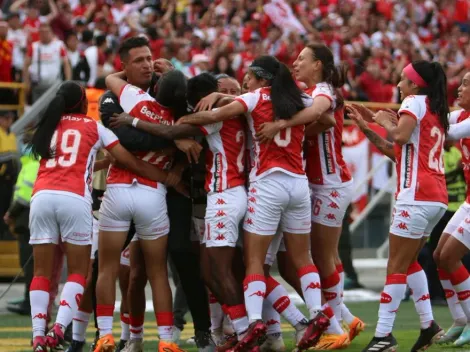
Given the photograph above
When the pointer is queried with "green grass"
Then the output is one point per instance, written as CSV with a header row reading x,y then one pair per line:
x,y
15,330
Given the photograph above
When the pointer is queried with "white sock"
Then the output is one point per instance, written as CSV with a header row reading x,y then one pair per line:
x,y
165,325
80,324
271,318
104,317
39,297
460,279
332,291
217,315
418,283
393,293
255,290
334,328
125,329
70,299
136,327
453,302
311,288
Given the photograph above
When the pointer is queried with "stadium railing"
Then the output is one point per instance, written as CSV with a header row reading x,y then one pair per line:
x,y
21,87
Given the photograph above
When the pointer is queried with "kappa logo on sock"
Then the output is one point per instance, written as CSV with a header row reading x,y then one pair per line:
x,y
272,322
423,298
40,316
463,295
257,293
281,304
78,299
64,303
449,293
385,298
313,286
329,296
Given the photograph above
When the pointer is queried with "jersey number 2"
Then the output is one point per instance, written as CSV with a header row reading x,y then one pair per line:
x,y
435,155
67,151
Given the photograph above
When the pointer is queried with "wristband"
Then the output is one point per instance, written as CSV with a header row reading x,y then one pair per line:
x,y
135,121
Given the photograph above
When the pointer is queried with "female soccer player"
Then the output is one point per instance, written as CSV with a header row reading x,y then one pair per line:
x,y
278,192
455,240
421,198
67,141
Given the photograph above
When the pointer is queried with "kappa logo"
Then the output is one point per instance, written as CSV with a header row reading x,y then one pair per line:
x,y
108,101
252,199
333,205
251,210
423,298
404,214
220,201
385,298
272,322
334,194
220,213
330,216
220,237
402,226
40,316
64,303
313,286
220,225
249,221
460,230
257,293
253,190
467,220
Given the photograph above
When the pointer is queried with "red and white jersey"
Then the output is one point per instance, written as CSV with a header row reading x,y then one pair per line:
x,y
225,158
285,152
325,164
141,105
75,143
456,117
49,57
419,163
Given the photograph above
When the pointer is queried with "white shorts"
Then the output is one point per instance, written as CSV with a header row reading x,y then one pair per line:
x,y
415,221
329,204
278,200
224,212
56,214
94,238
197,230
125,257
458,218
145,205
277,245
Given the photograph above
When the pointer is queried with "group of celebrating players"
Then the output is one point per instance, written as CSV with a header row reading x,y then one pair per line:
x,y
287,132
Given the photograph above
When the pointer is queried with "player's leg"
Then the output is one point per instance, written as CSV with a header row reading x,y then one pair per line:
x,y
124,273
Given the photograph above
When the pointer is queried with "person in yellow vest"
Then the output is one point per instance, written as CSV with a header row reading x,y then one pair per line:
x,y
8,167
17,217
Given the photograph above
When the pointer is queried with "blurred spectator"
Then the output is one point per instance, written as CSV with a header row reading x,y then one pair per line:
x,y
96,58
44,63
17,36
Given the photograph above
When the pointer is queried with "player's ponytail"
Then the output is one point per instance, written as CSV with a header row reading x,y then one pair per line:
x,y
70,98
286,96
435,87
335,76
172,92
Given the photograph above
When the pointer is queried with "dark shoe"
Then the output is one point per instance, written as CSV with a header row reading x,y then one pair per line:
x,y
68,334
76,346
427,337
21,308
204,341
382,344
120,346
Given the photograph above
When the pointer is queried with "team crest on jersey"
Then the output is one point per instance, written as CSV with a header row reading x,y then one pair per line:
x,y
409,155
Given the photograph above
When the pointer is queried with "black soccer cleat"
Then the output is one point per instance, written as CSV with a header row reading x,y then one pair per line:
x,y
382,344
427,337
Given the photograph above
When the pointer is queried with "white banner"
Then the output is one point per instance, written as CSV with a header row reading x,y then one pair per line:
x,y
282,16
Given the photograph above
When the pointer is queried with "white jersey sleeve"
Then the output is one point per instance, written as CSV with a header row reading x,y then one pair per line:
x,y
107,138
249,100
413,105
324,90
459,130
211,128
454,116
130,96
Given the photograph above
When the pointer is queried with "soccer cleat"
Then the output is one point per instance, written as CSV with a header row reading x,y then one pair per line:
x,y
76,346
382,344
39,344
464,337
105,344
355,328
255,335
121,345
312,334
134,345
55,338
274,343
204,341
332,342
165,346
227,343
427,337
227,327
451,335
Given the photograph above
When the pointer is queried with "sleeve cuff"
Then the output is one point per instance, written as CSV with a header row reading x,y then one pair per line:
x,y
203,130
408,112
245,107
324,95
112,145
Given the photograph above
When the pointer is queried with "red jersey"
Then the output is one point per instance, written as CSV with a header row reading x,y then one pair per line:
x,y
456,117
75,143
140,104
225,158
419,163
325,164
285,152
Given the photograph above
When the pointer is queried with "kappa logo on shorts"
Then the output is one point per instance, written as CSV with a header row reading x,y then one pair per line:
x,y
333,205
249,221
334,194
220,201
467,220
330,216
220,225
252,199
220,213
460,230
253,190
251,210
402,226
108,100
404,214
220,237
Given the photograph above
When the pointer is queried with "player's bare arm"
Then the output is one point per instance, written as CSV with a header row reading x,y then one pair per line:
x,y
116,82
226,112
208,102
164,131
401,132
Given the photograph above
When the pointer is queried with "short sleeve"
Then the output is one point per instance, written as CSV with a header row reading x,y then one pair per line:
x,y
211,128
412,106
324,90
249,100
454,116
130,96
107,138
